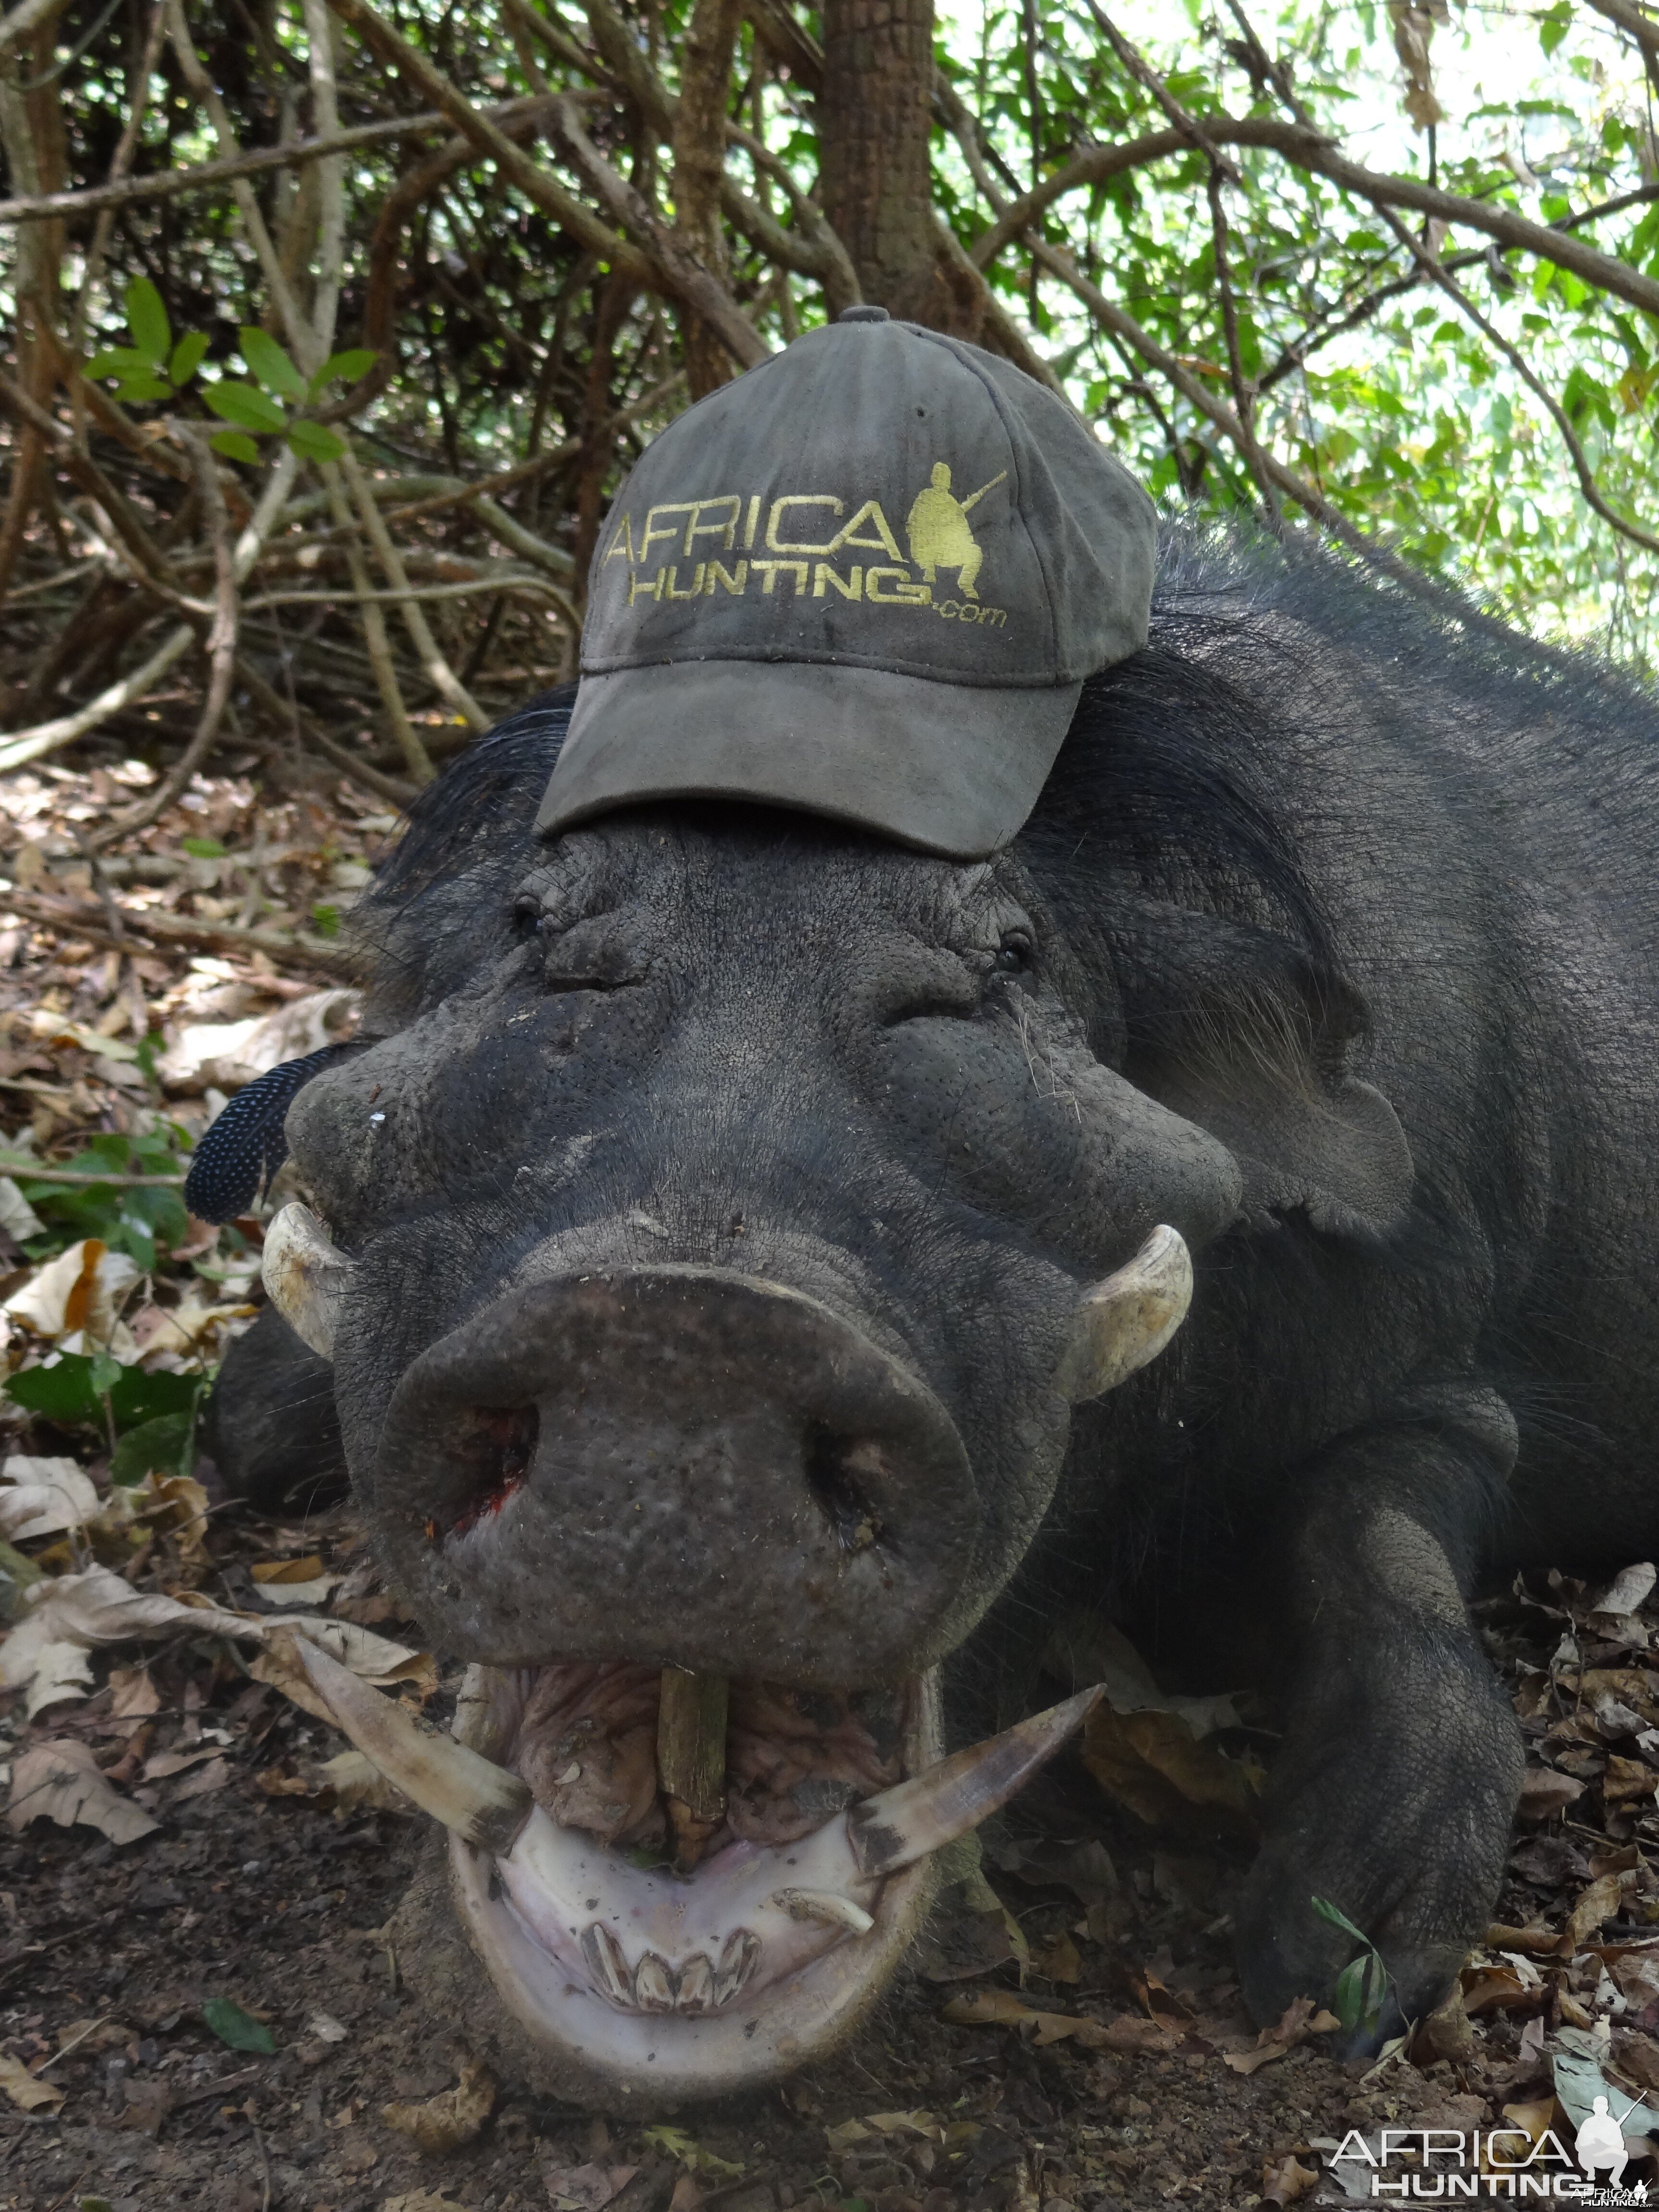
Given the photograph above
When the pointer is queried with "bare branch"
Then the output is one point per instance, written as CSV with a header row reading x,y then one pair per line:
x,y
1305,149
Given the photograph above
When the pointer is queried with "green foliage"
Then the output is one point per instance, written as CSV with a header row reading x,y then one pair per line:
x,y
238,2028
165,1445
1362,1986
153,368
76,1389
133,1221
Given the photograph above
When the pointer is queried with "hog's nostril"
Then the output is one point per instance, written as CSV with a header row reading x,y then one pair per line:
x,y
497,1446
834,1464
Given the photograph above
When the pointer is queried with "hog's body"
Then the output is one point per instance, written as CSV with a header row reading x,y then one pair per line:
x,y
1332,943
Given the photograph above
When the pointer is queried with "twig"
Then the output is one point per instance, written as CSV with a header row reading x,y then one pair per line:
x,y
32,1171
221,642
433,659
46,737
280,710
1306,149
173,184
85,918
417,758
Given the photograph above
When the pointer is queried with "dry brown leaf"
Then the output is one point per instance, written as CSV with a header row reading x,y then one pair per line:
x,y
1002,2008
43,1497
1284,2184
359,1785
205,1780
585,2188
29,2093
133,1698
1536,1938
442,2123
1167,1777
357,2154
80,1290
1597,1904
1496,1989
1058,1961
1533,2119
306,1569
1545,1793
60,1781
421,2200
1446,2034
1627,1779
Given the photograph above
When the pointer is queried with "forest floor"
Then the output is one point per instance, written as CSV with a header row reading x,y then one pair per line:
x,y
200,2004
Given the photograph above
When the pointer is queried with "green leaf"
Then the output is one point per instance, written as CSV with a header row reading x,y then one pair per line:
x,y
234,445
1350,1993
147,319
105,1375
270,364
236,2028
343,367
315,441
204,848
326,921
116,360
244,404
187,356
61,1391
141,1396
1338,1918
157,1447
142,386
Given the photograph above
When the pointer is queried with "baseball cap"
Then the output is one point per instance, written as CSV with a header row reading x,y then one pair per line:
x,y
867,579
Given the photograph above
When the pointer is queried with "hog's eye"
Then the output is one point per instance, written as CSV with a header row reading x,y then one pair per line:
x,y
1014,954
527,916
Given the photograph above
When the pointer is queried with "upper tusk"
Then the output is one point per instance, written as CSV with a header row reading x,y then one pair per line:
x,y
465,1790
1127,1320
906,1822
305,1277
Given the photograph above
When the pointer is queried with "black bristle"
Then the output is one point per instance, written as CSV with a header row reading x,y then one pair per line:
x,y
245,1147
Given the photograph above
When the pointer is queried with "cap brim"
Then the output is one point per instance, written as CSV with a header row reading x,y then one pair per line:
x,y
952,768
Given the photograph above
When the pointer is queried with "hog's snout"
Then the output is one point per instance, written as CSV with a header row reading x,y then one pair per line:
x,y
680,1466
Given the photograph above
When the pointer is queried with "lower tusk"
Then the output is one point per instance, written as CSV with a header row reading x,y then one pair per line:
x,y
468,1793
1127,1320
305,1278
906,1822
825,1905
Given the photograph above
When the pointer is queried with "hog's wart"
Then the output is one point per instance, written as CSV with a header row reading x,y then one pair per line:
x,y
709,1205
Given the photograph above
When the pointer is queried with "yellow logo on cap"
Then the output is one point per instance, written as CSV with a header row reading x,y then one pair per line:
x,y
939,532
938,529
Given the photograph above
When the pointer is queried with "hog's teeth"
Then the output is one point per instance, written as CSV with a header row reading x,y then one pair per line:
x,y
914,1818
470,1794
1128,1319
828,1905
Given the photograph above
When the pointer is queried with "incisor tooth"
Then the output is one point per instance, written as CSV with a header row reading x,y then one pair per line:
x,y
825,1905
470,1794
906,1822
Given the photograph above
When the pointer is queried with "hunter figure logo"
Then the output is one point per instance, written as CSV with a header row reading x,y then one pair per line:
x,y
816,525
939,532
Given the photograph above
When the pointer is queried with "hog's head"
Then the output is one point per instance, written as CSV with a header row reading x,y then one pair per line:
x,y
725,1214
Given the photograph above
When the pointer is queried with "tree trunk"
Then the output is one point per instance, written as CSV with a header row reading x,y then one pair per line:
x,y
875,119
875,114
699,165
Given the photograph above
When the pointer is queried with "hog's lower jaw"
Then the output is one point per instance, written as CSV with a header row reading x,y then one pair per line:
x,y
643,1983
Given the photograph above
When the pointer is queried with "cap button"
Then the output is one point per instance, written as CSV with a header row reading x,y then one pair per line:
x,y
864,315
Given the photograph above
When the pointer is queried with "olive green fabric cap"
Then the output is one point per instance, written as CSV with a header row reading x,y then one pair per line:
x,y
867,579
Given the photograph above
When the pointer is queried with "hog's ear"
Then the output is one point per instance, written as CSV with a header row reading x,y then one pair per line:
x,y
1238,1030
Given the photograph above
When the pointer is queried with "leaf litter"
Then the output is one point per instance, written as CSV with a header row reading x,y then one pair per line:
x,y
1082,2049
